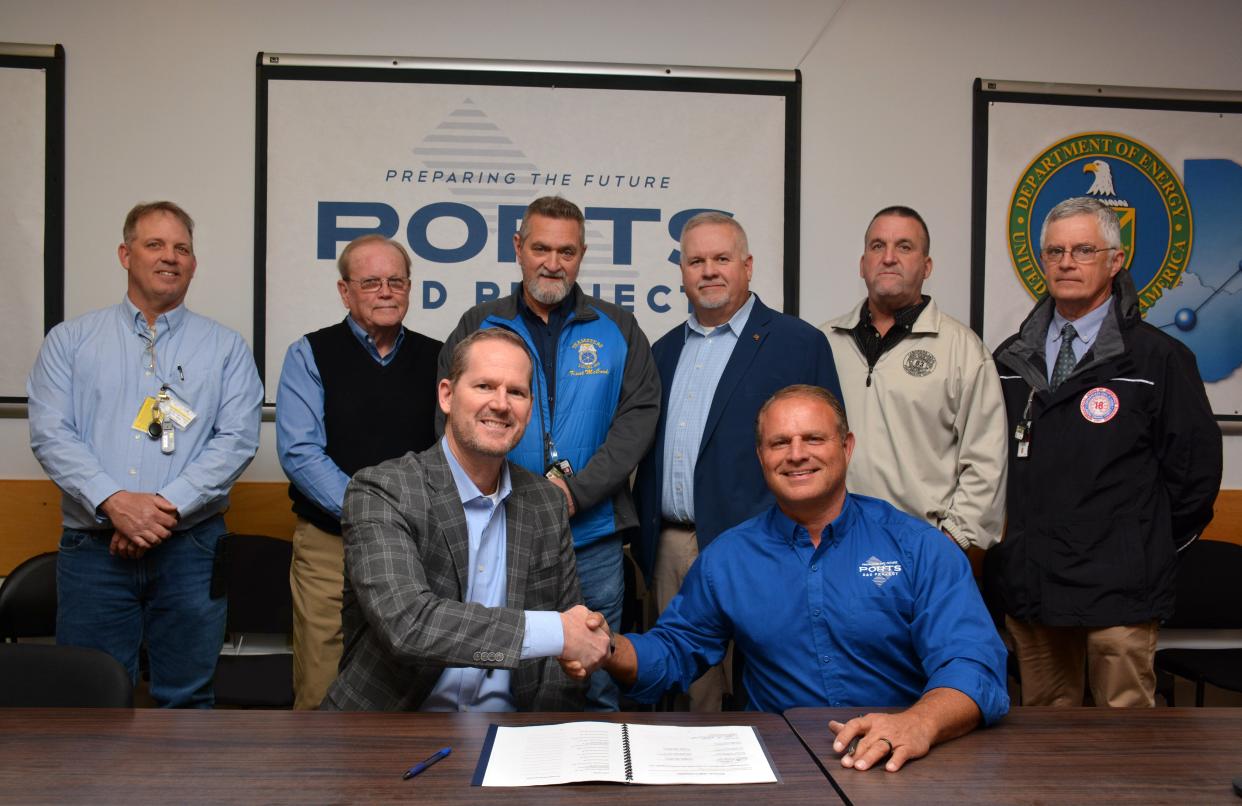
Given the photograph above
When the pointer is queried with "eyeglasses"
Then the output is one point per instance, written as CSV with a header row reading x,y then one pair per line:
x,y
1083,253
397,285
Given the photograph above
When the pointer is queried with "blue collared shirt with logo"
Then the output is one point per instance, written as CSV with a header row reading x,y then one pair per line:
x,y
882,611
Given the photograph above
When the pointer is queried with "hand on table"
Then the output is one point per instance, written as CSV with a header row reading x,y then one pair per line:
x,y
898,737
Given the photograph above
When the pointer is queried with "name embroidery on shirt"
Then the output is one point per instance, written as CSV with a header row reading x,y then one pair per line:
x,y
588,358
879,571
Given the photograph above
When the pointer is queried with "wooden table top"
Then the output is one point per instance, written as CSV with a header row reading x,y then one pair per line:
x,y
86,756
1055,756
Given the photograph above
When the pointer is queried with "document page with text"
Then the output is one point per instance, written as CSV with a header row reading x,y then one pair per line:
x,y
574,752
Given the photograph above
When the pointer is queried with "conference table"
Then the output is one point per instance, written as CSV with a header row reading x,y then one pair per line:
x,y
1036,755
140,756
1055,756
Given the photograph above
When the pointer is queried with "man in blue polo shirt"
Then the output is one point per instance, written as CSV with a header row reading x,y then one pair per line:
x,y
836,600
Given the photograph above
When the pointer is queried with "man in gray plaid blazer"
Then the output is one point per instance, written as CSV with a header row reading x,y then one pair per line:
x,y
461,591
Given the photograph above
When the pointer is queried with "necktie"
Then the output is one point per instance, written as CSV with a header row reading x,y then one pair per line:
x,y
1065,357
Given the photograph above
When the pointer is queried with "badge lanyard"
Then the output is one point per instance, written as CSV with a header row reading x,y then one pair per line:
x,y
1022,433
162,426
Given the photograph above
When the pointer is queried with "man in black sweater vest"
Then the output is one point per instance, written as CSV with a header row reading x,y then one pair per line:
x,y
331,384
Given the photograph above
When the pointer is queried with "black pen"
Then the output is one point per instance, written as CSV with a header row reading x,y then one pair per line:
x,y
422,765
853,748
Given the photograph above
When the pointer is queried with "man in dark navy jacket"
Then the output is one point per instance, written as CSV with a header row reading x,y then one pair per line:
x,y
1114,463
701,475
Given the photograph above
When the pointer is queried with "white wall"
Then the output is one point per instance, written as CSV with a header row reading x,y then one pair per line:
x,y
161,104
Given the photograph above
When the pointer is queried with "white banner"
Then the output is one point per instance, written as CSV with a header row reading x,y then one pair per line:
x,y
1175,180
23,134
447,170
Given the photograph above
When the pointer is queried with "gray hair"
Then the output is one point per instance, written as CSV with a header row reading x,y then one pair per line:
x,y
716,217
342,262
1105,218
804,390
553,207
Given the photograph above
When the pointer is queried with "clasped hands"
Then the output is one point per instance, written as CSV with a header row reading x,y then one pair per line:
x,y
587,642
142,521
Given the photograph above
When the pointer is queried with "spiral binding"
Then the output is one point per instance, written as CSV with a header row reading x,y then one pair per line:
x,y
625,748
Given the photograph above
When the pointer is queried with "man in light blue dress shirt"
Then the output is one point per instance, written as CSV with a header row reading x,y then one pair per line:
x,y
701,476
144,414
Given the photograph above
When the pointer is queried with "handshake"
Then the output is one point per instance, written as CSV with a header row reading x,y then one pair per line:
x,y
588,642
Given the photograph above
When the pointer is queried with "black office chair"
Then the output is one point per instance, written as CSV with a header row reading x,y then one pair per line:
x,y
28,599
1208,597
256,570
49,676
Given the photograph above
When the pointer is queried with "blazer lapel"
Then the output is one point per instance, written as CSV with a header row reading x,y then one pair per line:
x,y
518,531
446,504
744,353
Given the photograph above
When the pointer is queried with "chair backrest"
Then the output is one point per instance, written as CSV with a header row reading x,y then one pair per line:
x,y
257,569
1209,587
28,599
49,676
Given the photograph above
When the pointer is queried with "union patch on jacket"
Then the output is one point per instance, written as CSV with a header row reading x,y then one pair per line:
x,y
879,571
919,363
588,358
1099,405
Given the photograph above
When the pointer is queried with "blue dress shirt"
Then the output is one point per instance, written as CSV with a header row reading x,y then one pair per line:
x,y
468,688
882,611
88,385
301,439
1086,326
699,368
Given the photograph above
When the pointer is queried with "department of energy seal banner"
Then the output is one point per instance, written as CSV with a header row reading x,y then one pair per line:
x,y
1169,166
444,157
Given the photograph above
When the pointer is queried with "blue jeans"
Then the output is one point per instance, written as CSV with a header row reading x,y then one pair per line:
x,y
111,603
601,573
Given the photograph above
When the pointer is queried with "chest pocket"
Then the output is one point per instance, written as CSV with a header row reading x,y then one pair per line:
x,y
879,618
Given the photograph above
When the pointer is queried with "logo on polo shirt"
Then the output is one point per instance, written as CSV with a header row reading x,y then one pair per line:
x,y
879,571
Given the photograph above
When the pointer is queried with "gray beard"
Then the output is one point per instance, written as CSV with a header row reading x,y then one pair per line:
x,y
549,295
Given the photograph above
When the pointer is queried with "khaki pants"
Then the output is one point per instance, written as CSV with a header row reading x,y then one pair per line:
x,y
677,551
316,579
1118,663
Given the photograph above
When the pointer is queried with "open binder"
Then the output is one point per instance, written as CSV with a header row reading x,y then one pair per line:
x,y
624,753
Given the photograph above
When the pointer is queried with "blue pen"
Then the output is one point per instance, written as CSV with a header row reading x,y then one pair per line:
x,y
422,765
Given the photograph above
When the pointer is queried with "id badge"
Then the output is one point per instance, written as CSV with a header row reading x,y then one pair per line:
x,y
560,469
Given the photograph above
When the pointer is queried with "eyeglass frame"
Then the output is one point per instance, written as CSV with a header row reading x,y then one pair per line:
x,y
380,282
1072,252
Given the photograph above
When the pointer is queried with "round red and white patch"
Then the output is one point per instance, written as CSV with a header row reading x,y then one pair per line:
x,y
1099,405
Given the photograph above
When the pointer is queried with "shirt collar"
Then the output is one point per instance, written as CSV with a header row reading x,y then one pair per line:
x,y
466,489
1086,326
906,317
366,339
560,311
736,323
164,323
790,531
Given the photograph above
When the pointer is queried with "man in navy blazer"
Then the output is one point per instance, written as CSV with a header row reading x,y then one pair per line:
x,y
701,475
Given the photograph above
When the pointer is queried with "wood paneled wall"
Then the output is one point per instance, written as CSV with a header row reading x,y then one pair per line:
x,y
31,513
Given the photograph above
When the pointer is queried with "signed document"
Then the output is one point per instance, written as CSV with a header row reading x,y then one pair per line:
x,y
577,752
